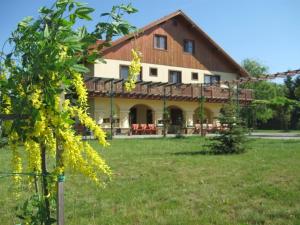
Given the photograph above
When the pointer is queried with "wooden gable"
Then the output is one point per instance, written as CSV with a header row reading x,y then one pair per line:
x,y
207,55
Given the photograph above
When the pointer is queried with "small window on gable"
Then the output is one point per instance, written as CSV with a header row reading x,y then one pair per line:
x,y
194,76
189,46
160,42
153,72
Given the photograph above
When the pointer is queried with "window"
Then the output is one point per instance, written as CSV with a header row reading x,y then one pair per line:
x,y
211,79
160,42
124,72
174,77
194,76
153,72
189,46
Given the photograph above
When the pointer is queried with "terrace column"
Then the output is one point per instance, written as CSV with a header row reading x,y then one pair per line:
x,y
215,115
158,115
124,118
98,116
189,120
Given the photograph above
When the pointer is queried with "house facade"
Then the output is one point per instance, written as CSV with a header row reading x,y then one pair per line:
x,y
180,63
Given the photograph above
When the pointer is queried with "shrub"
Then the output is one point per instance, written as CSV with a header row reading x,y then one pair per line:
x,y
232,139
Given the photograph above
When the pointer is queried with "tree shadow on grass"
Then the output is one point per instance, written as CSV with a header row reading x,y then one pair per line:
x,y
202,152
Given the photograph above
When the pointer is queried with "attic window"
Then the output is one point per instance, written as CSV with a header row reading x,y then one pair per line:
x,y
153,72
189,46
194,76
160,42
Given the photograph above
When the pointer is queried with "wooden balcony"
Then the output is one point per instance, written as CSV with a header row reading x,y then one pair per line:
x,y
157,90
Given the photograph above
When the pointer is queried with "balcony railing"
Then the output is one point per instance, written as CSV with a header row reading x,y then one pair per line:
x,y
158,90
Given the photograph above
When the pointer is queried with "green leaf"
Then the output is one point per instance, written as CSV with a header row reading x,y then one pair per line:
x,y
46,31
61,3
72,18
83,12
71,39
45,10
104,14
71,6
25,22
80,68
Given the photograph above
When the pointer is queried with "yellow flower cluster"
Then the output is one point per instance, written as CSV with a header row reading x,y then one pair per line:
x,y
16,158
80,89
63,52
134,70
81,157
34,155
35,98
91,124
7,104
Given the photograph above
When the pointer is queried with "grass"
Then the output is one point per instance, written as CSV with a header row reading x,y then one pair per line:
x,y
277,131
169,181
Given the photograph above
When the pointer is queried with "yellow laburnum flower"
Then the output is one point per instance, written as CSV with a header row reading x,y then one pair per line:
x,y
50,141
7,104
34,155
82,158
16,158
35,98
40,125
80,89
63,52
86,120
134,70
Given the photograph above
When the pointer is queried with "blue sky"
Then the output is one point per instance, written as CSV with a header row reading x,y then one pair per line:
x,y
266,30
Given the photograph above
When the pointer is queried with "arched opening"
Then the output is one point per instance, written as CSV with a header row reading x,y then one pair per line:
x,y
176,119
207,116
141,114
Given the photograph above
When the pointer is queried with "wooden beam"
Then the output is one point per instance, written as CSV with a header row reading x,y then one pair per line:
x,y
13,116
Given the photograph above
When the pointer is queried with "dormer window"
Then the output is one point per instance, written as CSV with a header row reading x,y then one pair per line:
x,y
160,42
189,46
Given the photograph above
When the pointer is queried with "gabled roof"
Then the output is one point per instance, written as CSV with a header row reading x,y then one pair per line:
x,y
240,70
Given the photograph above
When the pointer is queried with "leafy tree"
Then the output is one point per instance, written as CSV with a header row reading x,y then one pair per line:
x,y
260,112
45,65
254,68
293,92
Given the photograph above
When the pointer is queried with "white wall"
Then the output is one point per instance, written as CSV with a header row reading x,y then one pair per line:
x,y
112,67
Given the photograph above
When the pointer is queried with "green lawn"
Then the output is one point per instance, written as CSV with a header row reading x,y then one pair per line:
x,y
167,181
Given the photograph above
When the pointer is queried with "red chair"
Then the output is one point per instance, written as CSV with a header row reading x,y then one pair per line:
x,y
152,129
197,128
134,128
143,128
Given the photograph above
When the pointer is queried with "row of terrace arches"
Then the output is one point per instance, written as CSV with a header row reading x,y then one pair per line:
x,y
142,113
